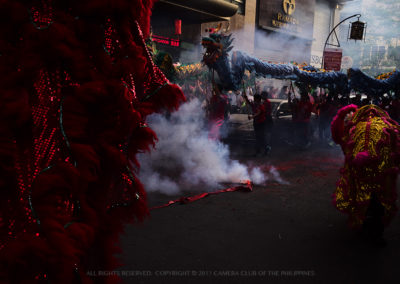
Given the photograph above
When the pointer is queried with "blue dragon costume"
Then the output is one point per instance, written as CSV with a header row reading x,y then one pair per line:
x,y
231,72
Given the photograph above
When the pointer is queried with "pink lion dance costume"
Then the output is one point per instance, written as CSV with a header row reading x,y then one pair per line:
x,y
366,190
76,85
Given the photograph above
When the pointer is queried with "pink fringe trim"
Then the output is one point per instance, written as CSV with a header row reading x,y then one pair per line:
x,y
337,126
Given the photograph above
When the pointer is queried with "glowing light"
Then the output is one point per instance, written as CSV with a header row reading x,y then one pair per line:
x,y
166,40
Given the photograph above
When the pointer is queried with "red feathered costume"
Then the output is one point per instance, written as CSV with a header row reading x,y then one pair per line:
x,y
76,84
370,141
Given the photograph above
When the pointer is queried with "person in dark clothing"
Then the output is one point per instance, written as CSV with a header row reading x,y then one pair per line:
x,y
268,120
259,118
373,226
357,100
385,103
394,110
293,103
326,111
304,109
301,114
366,101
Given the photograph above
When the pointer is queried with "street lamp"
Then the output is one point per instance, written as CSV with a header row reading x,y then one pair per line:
x,y
356,32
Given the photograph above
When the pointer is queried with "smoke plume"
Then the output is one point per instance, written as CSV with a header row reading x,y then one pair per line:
x,y
186,160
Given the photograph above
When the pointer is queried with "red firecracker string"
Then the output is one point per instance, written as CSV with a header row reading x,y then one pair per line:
x,y
247,186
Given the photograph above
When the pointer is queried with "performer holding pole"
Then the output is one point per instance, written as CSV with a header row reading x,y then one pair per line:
x,y
259,119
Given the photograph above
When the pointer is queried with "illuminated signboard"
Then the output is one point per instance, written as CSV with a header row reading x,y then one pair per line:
x,y
293,17
166,40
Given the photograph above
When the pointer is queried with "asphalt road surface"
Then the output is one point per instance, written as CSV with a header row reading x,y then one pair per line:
x,y
278,233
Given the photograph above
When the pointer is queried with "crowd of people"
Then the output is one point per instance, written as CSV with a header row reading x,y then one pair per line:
x,y
312,110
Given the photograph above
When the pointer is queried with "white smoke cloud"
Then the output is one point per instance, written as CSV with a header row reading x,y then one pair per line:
x,y
276,47
276,176
185,159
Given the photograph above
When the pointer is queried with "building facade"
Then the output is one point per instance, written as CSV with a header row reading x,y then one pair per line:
x,y
272,30
184,42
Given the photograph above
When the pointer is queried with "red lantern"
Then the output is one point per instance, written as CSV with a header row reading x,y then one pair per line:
x,y
178,27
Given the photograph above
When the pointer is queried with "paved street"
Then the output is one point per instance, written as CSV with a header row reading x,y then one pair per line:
x,y
279,233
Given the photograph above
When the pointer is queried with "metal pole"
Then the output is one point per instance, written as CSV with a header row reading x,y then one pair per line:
x,y
323,51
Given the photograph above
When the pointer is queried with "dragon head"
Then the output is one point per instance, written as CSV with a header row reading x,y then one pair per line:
x,y
216,45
